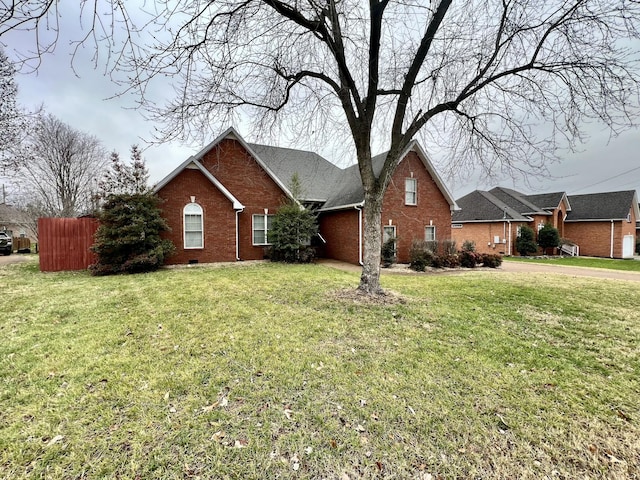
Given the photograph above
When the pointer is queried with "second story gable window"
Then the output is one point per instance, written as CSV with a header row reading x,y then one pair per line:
x,y
410,191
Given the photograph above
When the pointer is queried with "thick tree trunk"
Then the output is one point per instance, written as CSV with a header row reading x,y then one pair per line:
x,y
370,278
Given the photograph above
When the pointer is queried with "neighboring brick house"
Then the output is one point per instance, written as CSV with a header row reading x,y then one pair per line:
x,y
220,202
600,224
16,221
603,224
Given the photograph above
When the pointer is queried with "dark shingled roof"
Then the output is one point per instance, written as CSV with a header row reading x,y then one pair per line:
x,y
503,203
317,175
546,201
517,201
601,206
479,206
321,181
349,191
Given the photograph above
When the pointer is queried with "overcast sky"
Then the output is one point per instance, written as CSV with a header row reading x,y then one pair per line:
x,y
604,163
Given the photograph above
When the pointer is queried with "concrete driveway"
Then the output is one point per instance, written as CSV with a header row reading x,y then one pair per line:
x,y
507,267
525,267
11,259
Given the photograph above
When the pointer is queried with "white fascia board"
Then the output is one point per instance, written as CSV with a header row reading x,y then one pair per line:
x,y
172,175
236,203
415,146
192,161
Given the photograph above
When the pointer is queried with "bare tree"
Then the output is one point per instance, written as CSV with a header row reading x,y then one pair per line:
x,y
478,76
58,168
11,118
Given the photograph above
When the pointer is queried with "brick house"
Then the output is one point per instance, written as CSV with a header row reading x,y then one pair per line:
x,y
599,224
220,202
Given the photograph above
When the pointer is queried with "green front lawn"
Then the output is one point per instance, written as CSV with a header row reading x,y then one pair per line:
x,y
273,371
592,262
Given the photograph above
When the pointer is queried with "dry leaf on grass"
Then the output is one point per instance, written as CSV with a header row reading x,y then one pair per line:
x,y
55,440
241,443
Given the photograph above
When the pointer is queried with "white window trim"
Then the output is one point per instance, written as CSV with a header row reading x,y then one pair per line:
x,y
414,192
266,229
184,226
426,229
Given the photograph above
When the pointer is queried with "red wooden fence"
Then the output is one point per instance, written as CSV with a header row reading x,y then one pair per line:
x,y
64,243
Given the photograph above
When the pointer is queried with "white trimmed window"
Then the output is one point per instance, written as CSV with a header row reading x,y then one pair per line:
x,y
261,227
193,226
430,233
410,191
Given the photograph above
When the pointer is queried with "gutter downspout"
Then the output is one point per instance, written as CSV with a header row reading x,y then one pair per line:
x,y
509,237
238,212
359,209
611,239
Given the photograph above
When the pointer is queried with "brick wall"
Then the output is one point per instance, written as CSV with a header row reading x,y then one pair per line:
x,y
594,238
340,230
410,220
218,218
483,234
238,171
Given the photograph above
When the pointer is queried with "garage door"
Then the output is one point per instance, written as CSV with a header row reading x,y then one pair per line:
x,y
627,246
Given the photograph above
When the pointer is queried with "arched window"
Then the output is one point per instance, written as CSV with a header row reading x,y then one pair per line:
x,y
193,226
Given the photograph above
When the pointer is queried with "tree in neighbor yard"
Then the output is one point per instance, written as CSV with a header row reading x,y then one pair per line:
x,y
500,83
11,118
57,167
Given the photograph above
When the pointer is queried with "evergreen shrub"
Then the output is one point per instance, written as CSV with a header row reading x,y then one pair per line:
x,y
128,239
389,253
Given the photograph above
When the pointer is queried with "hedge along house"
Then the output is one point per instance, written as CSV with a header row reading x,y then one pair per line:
x,y
600,224
220,202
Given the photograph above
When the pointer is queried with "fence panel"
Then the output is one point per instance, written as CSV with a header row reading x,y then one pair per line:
x,y
64,243
21,243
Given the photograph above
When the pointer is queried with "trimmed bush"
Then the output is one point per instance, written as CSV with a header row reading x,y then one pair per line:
x,y
469,258
450,260
389,253
421,255
491,260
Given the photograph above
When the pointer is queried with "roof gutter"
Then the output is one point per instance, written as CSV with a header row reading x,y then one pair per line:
x,y
342,207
